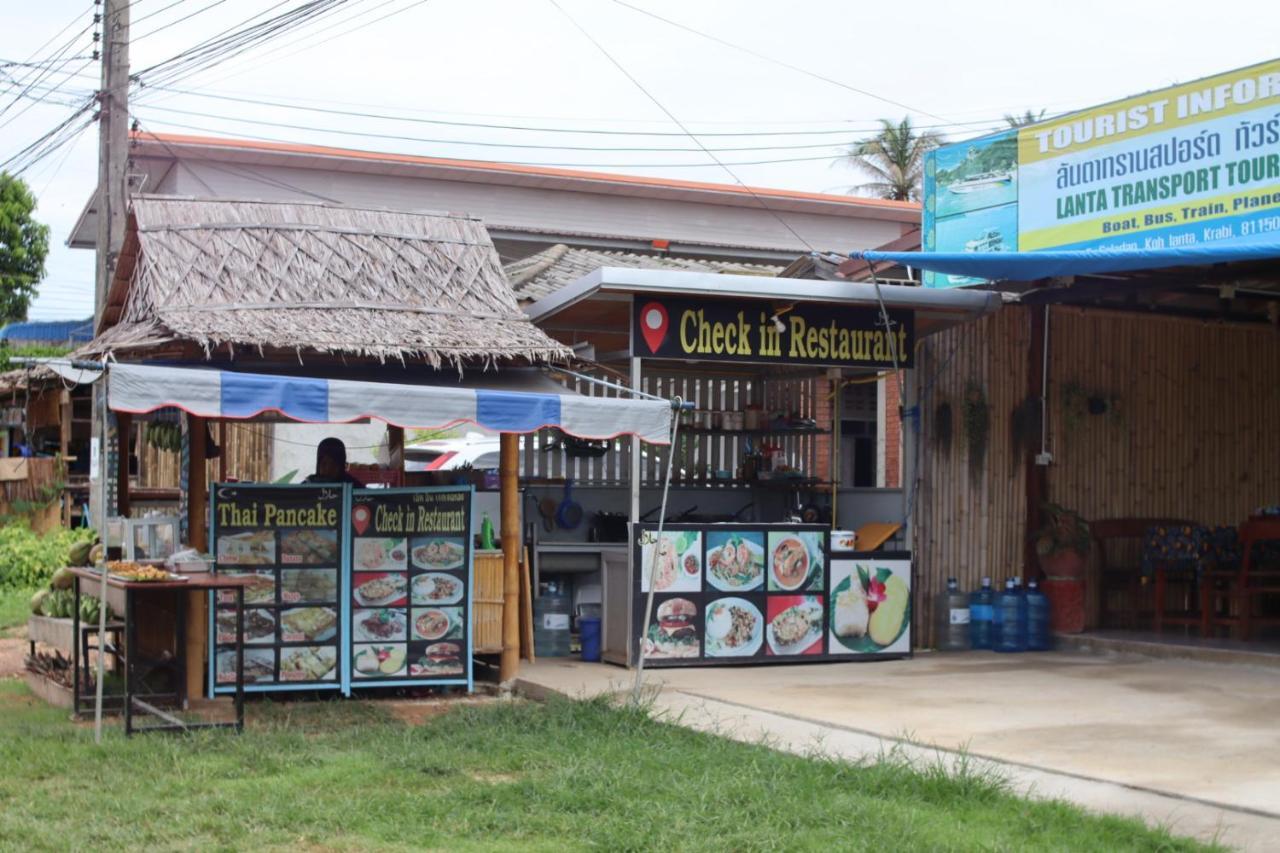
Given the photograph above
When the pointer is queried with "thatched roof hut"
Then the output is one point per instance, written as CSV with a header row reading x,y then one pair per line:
x,y
196,277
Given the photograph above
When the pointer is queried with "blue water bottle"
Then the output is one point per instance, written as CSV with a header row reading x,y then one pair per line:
x,y
980,615
1011,620
1038,637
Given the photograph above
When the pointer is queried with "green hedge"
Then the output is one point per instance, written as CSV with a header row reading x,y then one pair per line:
x,y
28,560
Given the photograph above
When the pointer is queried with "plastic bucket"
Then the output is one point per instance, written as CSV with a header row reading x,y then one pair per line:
x,y
590,631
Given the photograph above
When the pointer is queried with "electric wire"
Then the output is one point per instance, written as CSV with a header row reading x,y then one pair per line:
x,y
177,21
488,144
775,61
776,215
579,165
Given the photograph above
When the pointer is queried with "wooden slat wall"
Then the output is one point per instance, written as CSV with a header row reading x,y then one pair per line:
x,y
1195,434
249,458
969,528
721,451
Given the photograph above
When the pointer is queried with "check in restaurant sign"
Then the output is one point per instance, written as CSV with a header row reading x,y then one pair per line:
x,y
828,335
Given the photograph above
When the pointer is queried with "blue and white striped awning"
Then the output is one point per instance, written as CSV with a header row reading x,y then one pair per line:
x,y
212,393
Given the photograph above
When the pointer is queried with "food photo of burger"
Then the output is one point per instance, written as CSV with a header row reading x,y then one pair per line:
x,y
674,633
439,659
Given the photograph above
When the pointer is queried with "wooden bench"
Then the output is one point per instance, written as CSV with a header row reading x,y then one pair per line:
x,y
1126,579
1250,583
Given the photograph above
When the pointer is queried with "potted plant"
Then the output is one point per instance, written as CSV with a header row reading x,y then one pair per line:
x,y
1063,545
1063,542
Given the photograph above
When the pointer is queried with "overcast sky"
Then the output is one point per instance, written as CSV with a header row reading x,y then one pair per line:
x,y
524,62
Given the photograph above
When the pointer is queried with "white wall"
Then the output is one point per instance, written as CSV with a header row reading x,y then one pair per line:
x,y
295,445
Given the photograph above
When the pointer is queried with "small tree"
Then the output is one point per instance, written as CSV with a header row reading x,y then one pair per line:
x,y
1029,117
895,158
24,244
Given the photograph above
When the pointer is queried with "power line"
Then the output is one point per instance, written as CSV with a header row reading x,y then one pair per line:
x,y
488,144
531,128
786,65
677,123
232,43
260,138
266,60
174,23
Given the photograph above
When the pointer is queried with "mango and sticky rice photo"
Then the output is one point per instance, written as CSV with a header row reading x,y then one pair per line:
x,y
870,606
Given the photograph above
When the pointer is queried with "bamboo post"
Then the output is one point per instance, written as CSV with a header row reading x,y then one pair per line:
x,y
222,451
124,431
64,447
509,528
198,538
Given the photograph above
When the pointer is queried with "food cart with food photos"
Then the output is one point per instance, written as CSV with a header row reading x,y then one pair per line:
x,y
740,593
746,571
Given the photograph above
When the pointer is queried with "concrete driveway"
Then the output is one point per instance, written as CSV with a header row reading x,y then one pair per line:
x,y
1177,742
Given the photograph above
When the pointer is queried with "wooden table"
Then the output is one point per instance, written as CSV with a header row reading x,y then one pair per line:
x,y
193,583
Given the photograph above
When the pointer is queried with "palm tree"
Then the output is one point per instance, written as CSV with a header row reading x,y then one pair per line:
x,y
895,158
1029,117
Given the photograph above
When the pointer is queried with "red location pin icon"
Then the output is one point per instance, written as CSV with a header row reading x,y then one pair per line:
x,y
653,325
360,518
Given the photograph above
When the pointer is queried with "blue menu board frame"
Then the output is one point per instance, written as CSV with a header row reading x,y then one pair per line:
x,y
366,521
223,521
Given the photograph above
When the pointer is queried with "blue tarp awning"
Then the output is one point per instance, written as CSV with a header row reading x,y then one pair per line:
x,y
530,403
1029,266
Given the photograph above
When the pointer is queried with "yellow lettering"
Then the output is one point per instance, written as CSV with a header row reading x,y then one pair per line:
x,y
877,353
717,338
688,339
797,337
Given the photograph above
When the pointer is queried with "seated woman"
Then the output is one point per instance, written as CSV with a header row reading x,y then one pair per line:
x,y
331,464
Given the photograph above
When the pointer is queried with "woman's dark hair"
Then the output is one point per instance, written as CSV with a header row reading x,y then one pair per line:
x,y
333,449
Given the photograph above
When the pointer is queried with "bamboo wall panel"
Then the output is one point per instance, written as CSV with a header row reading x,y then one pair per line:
x,y
248,457
969,526
1189,432
486,603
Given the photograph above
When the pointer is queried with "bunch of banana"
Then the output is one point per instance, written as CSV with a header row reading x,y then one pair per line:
x,y
163,435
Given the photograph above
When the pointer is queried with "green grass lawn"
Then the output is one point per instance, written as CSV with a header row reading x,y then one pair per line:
x,y
15,607
506,776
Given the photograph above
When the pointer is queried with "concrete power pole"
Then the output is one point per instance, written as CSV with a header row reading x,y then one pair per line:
x,y
112,202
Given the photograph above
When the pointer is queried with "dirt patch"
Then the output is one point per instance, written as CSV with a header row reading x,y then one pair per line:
x,y
416,712
12,652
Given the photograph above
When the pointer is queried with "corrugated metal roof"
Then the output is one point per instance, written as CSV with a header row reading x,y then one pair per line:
x,y
543,273
49,331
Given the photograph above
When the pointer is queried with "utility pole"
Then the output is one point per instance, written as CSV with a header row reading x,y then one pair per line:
x,y
111,205
113,159
113,145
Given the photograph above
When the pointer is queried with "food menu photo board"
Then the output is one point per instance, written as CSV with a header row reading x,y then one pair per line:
x,y
290,541
410,587
727,593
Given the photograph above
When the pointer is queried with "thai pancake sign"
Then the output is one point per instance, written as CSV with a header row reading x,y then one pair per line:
x,y
764,332
289,540
410,587
731,594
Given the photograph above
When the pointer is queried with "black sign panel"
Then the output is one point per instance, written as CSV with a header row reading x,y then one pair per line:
x,y
773,333
289,539
730,593
410,583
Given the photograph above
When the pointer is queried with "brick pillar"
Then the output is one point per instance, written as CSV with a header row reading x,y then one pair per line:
x,y
892,434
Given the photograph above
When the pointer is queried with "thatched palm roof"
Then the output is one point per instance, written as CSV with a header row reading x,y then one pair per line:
x,y
313,277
